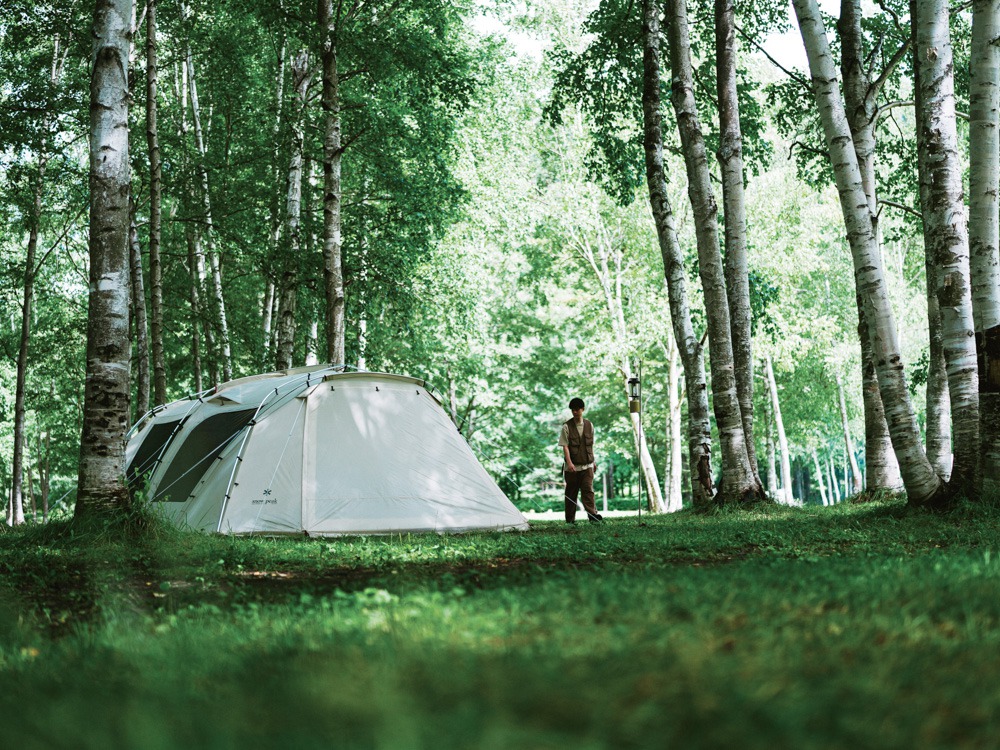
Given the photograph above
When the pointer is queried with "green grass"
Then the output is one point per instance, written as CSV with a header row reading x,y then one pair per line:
x,y
860,626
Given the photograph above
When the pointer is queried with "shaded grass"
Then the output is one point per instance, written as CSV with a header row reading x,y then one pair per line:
x,y
869,626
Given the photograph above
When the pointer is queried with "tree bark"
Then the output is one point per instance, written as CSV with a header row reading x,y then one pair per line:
x,y
861,101
333,270
139,320
820,480
219,307
772,474
945,230
688,344
937,440
921,482
155,212
856,483
291,259
786,460
106,393
984,231
673,494
739,483
730,157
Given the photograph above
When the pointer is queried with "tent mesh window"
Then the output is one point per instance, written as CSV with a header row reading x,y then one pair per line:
x,y
203,445
145,458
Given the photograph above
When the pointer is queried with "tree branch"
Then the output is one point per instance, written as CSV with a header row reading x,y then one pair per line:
x,y
806,147
901,207
791,74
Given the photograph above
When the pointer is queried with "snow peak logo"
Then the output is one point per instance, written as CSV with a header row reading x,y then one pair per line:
x,y
266,499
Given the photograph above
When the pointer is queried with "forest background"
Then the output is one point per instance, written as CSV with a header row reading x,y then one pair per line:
x,y
496,233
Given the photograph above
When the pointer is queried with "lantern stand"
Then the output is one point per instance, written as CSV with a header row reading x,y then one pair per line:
x,y
635,407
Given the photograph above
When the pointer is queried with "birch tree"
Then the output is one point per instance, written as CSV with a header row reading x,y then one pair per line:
x,y
945,228
155,211
862,89
293,238
688,344
737,276
333,267
984,232
739,482
920,480
106,394
785,457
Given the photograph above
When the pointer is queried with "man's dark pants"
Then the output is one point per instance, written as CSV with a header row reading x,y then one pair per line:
x,y
580,483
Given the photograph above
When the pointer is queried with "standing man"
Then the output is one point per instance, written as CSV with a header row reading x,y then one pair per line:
x,y
577,441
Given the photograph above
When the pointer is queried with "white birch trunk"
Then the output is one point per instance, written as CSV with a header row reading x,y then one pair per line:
x,y
946,231
333,268
140,321
739,483
688,344
861,99
834,486
289,275
219,307
673,494
856,483
820,480
786,460
984,232
772,473
155,212
106,392
730,156
600,260
921,482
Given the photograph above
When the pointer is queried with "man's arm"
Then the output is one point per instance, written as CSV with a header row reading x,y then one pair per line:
x,y
569,462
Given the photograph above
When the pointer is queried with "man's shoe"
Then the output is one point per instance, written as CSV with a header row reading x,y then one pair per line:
x,y
595,518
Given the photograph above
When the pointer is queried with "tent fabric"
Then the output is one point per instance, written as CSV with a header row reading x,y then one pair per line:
x,y
315,451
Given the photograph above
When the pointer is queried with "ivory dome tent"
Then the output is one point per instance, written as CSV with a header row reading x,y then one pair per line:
x,y
317,451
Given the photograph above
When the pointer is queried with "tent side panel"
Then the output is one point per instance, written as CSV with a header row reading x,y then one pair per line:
x,y
384,457
267,493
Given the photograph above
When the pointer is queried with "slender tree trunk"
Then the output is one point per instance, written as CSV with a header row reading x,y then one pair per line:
x,y
984,230
938,412
848,443
155,212
219,303
820,480
921,482
688,344
44,475
15,513
673,492
270,297
860,98
106,393
333,270
945,230
739,483
730,157
600,259
291,260
834,486
139,319
195,298
786,461
772,473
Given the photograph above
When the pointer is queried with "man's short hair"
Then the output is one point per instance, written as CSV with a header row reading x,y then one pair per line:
x,y
576,403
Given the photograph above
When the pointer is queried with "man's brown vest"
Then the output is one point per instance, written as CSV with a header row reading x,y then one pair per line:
x,y
581,447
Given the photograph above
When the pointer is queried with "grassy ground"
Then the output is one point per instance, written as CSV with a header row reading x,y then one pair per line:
x,y
863,626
